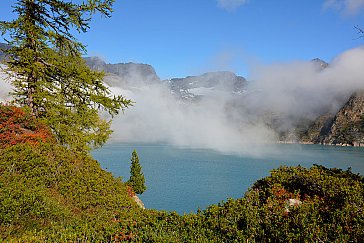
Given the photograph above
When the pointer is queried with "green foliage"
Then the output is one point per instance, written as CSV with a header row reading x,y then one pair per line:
x,y
330,209
52,194
49,75
136,180
48,193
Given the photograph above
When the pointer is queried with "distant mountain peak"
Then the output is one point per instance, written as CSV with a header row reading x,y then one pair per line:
x,y
322,64
191,87
132,73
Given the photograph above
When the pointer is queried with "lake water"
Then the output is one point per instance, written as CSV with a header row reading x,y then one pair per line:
x,y
184,179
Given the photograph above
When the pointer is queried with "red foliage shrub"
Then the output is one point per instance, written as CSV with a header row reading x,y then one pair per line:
x,y
18,125
130,191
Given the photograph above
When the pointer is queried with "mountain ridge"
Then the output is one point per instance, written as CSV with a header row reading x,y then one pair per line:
x,y
345,127
128,72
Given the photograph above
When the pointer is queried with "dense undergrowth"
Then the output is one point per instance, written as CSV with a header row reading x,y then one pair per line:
x,y
19,126
49,193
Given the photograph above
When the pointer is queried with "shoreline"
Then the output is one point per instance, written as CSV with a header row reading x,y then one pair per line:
x,y
355,144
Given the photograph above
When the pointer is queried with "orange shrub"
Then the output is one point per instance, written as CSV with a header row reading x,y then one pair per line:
x,y
18,125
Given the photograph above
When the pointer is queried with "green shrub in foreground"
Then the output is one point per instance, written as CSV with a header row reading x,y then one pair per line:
x,y
330,208
48,193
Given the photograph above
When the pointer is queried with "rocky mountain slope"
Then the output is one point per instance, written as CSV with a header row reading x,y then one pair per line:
x,y
122,74
348,124
345,128
193,87
322,64
188,88
317,130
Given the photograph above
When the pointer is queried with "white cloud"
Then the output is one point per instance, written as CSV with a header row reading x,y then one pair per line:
x,y
159,117
301,90
231,5
349,7
285,92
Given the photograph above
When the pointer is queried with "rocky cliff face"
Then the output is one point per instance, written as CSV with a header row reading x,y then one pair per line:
x,y
348,125
318,130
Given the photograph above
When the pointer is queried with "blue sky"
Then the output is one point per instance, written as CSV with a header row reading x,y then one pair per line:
x,y
188,37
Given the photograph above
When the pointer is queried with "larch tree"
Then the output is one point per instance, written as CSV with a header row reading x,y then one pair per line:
x,y
136,180
46,68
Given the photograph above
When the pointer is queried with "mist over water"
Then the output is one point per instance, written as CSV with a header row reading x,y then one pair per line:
x,y
227,121
237,123
159,117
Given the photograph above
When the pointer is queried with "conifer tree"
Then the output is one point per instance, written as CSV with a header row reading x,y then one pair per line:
x,y
49,75
136,180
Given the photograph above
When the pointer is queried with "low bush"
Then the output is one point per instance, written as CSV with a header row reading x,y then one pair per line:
x,y
17,125
50,193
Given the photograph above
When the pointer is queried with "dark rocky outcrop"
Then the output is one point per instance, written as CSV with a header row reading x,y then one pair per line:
x,y
125,73
320,63
345,128
318,129
348,125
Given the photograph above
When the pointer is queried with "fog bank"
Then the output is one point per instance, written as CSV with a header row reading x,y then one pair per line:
x,y
240,124
227,116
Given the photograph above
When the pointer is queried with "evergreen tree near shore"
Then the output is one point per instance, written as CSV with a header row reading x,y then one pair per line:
x,y
46,68
136,180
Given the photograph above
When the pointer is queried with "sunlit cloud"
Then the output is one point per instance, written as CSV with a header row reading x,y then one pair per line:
x,y
231,5
348,7
236,124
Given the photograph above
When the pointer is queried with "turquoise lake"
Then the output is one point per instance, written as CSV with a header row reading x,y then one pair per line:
x,y
185,179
